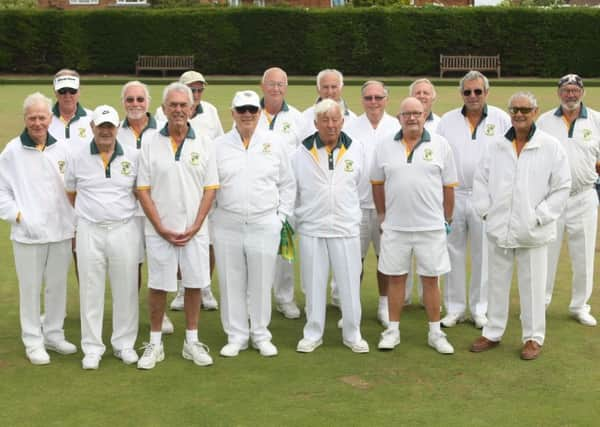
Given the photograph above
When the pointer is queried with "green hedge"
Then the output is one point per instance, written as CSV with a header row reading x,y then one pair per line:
x,y
374,41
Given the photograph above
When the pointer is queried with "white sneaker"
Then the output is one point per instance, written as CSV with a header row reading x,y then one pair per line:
x,y
167,326
208,300
178,302
383,316
38,356
451,319
479,320
340,323
585,318
307,346
151,356
265,348
360,346
289,310
390,338
61,347
335,301
232,349
127,355
91,362
440,343
197,352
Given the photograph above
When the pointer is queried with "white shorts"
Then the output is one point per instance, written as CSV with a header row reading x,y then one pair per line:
x,y
369,232
429,248
164,258
139,223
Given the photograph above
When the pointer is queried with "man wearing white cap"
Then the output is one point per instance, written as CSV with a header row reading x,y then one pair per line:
x,y
286,122
100,181
255,197
33,200
176,186
70,121
578,129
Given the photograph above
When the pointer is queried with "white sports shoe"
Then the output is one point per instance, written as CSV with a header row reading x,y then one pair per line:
x,y
289,310
127,355
479,320
197,352
335,300
265,348
383,316
208,300
178,302
307,346
167,326
340,323
440,343
91,362
451,319
38,356
390,338
232,349
360,346
585,318
151,356
61,347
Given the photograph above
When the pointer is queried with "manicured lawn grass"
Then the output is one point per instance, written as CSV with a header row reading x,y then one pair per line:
x,y
412,385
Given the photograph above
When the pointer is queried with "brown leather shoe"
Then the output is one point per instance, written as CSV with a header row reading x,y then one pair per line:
x,y
531,350
483,344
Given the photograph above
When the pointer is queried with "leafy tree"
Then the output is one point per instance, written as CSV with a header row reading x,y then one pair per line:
x,y
18,4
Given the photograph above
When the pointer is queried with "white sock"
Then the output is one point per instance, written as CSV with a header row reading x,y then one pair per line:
x,y
394,325
191,336
434,327
155,337
383,301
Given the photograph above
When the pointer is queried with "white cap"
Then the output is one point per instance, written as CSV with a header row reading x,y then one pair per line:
x,y
190,77
105,114
62,82
245,97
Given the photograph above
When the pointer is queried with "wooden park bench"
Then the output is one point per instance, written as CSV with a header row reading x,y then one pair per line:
x,y
164,63
469,62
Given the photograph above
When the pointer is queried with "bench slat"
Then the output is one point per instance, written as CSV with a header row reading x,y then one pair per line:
x,y
164,63
469,62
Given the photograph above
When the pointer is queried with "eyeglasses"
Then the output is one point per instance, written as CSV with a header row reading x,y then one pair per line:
x,y
279,85
252,109
570,90
522,110
131,99
197,89
373,98
66,90
477,92
408,114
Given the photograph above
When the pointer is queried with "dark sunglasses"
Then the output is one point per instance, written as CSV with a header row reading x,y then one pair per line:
x,y
66,90
250,108
139,99
477,92
197,89
373,98
522,110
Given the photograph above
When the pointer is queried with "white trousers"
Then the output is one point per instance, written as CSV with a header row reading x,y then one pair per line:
x,y
466,225
36,263
112,248
283,284
580,219
343,254
245,255
531,275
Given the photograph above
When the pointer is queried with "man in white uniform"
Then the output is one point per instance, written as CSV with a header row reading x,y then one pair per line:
x,y
328,167
370,128
255,197
577,127
468,129
286,122
100,182
33,200
519,189
413,176
176,185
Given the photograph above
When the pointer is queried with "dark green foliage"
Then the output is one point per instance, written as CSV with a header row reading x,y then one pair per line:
x,y
371,41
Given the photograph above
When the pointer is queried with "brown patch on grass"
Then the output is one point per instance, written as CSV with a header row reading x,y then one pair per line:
x,y
3,364
356,382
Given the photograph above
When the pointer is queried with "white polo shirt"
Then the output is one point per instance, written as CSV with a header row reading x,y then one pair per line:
x,y
468,144
328,203
256,181
413,181
205,121
177,177
431,122
31,183
105,191
127,136
287,124
370,137
77,132
308,118
581,141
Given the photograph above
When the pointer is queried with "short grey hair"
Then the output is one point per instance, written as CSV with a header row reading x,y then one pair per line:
x,y
132,84
35,99
523,94
264,76
474,75
178,87
326,106
322,73
419,81
373,82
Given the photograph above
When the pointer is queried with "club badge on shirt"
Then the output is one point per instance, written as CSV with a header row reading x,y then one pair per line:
x,y
125,168
195,158
428,154
267,147
286,127
587,134
61,167
82,132
490,129
348,165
